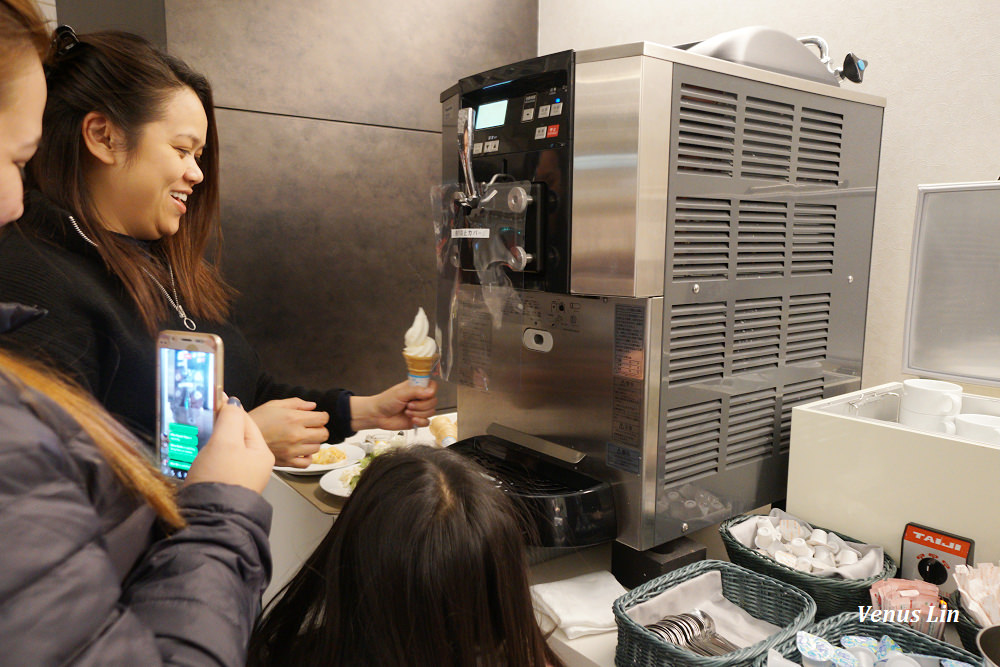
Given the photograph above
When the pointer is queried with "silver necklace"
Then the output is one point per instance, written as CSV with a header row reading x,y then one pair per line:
x,y
174,302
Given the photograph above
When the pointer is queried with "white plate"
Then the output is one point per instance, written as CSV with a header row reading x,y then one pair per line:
x,y
332,482
352,452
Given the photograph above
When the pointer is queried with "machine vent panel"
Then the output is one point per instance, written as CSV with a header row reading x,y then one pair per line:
x,y
767,140
697,343
808,327
820,139
794,394
751,427
729,134
814,232
761,239
692,444
701,239
756,335
706,131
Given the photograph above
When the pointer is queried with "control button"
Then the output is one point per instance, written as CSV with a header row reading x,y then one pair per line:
x,y
543,111
527,114
539,133
477,148
552,131
557,108
491,146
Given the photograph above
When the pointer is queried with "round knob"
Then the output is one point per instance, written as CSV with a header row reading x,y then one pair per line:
x,y
518,199
519,258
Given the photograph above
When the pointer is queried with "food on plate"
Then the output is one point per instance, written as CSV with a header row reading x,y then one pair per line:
x,y
328,455
350,477
444,430
420,350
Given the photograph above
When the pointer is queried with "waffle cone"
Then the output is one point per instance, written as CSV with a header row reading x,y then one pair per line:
x,y
420,365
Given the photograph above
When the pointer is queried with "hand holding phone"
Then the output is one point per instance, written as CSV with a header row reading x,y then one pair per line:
x,y
189,384
236,453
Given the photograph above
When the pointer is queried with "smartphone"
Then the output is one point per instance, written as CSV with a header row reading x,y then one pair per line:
x,y
188,387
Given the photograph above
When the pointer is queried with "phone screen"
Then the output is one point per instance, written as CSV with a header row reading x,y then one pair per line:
x,y
187,407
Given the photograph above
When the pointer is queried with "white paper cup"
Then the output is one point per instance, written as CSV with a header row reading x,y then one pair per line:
x,y
931,397
930,423
979,427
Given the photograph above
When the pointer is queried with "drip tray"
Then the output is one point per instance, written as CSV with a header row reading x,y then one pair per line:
x,y
567,508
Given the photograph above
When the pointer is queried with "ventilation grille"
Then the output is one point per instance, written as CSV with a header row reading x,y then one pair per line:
x,y
796,394
820,137
692,443
814,228
767,139
756,335
701,238
751,427
808,327
726,134
697,343
706,127
761,239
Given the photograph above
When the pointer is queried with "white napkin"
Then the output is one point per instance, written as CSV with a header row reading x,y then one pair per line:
x,y
580,605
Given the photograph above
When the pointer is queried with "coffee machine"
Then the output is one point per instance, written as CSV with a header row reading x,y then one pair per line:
x,y
647,256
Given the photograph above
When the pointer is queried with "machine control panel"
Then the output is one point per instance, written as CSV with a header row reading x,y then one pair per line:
x,y
532,121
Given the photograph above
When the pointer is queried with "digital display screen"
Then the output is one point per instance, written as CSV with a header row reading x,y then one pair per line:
x,y
187,407
491,115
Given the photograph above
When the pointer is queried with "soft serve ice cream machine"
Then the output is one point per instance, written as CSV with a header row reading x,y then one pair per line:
x,y
647,256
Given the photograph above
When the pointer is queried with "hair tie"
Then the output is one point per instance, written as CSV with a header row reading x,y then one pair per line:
x,y
64,40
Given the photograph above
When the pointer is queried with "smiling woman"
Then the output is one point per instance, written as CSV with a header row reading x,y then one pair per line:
x,y
120,239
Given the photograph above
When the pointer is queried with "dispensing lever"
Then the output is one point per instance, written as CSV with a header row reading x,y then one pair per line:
x,y
466,129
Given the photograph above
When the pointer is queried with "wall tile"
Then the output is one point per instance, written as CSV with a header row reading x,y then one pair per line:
x,y
382,63
49,11
328,236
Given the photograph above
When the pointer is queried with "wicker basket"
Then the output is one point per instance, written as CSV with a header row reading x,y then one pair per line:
x,y
833,595
967,627
911,641
762,597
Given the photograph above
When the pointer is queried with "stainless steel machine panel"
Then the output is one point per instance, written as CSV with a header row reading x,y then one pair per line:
x,y
620,166
570,378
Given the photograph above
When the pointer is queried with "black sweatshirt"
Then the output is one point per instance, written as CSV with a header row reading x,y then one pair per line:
x,y
94,332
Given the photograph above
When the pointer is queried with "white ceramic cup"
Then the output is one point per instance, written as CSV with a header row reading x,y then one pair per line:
x,y
925,422
988,642
931,397
979,427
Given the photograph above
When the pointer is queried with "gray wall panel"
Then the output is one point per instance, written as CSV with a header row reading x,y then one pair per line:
x,y
382,63
328,237
143,17
325,195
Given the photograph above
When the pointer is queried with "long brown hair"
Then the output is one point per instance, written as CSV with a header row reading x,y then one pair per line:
x,y
424,567
127,79
22,30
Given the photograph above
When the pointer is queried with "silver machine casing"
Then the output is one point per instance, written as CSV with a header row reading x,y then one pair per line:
x,y
720,249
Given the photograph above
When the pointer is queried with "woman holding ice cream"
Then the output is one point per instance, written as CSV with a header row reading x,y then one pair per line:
x,y
113,243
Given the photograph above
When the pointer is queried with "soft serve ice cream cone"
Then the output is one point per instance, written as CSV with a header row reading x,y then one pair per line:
x,y
420,351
